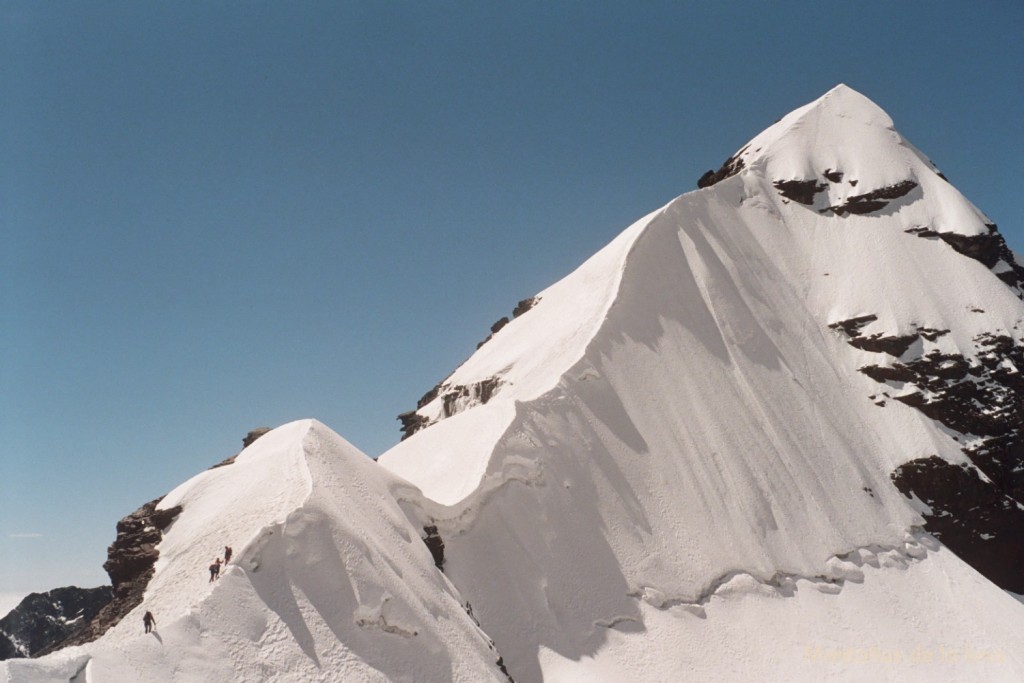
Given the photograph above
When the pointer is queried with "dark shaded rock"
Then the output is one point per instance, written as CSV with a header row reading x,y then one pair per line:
x,y
874,200
435,544
883,374
482,391
834,176
129,564
501,667
802,191
922,231
852,326
412,422
930,333
895,345
989,249
730,167
254,434
524,306
247,441
978,518
877,343
496,327
450,397
485,389
429,396
974,518
42,620
500,663
984,248
478,392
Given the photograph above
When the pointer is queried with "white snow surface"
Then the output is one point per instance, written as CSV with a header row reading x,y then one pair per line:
x,y
713,424
329,581
680,474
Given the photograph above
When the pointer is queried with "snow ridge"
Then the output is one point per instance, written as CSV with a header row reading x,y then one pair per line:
x,y
712,400
647,472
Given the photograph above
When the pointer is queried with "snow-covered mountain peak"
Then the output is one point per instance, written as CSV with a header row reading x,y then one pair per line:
x,y
758,361
779,414
838,154
831,188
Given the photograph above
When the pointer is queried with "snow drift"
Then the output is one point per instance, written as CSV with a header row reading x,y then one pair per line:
x,y
770,432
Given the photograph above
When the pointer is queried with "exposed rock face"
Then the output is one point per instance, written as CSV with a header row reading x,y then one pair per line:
x,y
894,345
802,191
412,421
435,544
874,200
130,560
730,167
496,327
976,511
480,392
454,399
524,306
247,441
42,620
254,434
974,518
991,250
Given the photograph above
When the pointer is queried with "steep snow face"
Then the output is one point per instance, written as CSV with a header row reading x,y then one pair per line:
x,y
718,423
709,450
517,365
330,580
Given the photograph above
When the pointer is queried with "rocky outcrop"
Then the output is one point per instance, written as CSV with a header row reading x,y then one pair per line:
x,y
254,434
459,395
802,191
247,441
730,167
978,511
130,565
131,561
435,544
991,251
872,201
893,344
975,519
524,306
412,421
454,399
42,620
988,248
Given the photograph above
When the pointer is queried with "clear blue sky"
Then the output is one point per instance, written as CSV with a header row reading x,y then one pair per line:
x,y
217,216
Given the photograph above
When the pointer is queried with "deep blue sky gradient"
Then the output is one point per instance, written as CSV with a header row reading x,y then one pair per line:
x,y
217,216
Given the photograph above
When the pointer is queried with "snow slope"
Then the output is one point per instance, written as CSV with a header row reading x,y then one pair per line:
x,y
672,466
330,581
715,426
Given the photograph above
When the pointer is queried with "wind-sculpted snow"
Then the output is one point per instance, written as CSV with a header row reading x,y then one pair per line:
x,y
714,426
330,581
698,456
